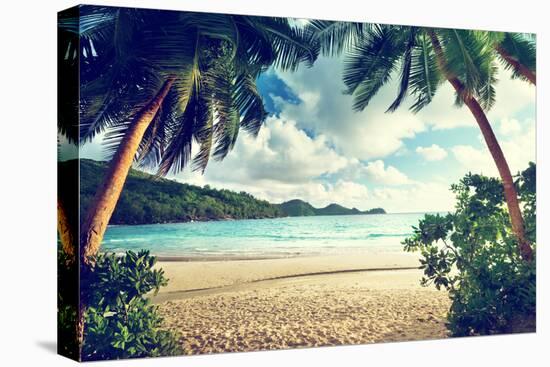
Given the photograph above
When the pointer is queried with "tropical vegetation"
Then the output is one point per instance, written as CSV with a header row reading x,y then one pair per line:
x,y
120,320
472,254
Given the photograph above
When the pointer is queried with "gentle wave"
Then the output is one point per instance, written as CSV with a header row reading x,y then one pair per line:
x,y
304,235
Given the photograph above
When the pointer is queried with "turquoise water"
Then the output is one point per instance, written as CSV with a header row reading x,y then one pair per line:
x,y
267,237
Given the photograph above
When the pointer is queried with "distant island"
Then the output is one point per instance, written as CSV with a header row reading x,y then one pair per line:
x,y
147,199
300,208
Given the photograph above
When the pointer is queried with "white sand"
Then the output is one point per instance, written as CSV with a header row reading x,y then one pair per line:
x,y
244,309
208,274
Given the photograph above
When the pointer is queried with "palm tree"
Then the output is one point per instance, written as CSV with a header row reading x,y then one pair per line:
x,y
159,81
425,58
517,53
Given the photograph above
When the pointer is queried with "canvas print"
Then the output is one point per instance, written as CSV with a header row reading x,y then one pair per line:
x,y
233,183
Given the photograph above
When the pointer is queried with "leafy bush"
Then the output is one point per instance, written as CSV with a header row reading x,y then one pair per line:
x,y
67,305
474,255
120,321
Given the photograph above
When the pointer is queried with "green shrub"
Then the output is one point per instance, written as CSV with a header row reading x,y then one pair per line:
x,y
67,305
473,254
120,320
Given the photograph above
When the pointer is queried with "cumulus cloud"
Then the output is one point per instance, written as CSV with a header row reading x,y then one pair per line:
x,y
509,126
389,175
420,197
432,153
280,164
519,149
324,109
281,152
512,95
373,133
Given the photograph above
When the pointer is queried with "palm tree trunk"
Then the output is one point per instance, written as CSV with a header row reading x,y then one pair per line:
x,y
66,233
510,193
522,69
101,209
104,203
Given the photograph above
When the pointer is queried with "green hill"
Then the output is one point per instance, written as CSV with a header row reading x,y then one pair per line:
x,y
298,208
148,199
335,209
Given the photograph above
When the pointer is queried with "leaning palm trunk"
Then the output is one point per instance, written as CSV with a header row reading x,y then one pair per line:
x,y
522,69
510,192
65,230
101,209
104,203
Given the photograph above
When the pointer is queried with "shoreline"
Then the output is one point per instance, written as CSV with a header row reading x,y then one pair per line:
x,y
189,293
211,272
208,258
231,219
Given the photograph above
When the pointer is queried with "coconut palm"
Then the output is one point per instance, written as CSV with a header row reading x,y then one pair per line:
x,y
517,52
424,59
156,82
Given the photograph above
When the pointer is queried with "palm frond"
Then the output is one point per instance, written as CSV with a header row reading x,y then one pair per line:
x,y
181,135
291,45
131,52
227,117
337,37
116,97
204,136
249,104
425,75
405,68
465,54
253,47
520,47
369,64
485,92
67,78
154,141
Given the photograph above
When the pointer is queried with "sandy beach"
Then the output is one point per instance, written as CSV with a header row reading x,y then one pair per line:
x,y
260,304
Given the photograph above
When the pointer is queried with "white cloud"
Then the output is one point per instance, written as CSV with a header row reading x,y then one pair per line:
x,y
281,152
432,153
280,164
509,126
385,175
474,159
512,95
373,133
325,110
420,197
519,149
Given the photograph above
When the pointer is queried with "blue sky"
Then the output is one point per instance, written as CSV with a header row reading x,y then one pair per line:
x,y
314,147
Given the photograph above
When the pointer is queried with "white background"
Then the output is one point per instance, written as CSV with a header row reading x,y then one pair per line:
x,y
28,182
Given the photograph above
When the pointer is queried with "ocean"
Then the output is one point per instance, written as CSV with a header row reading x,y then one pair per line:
x,y
279,237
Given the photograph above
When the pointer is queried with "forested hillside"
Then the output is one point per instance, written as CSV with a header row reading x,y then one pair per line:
x,y
149,199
